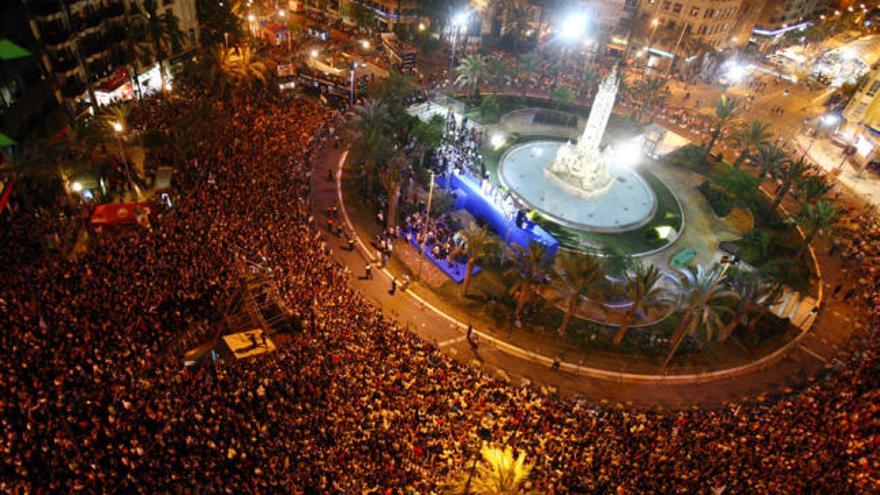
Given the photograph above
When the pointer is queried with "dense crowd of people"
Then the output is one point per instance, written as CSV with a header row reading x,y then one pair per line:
x,y
97,400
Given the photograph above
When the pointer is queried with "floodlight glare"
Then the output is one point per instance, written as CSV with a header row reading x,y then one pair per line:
x,y
573,26
460,19
313,53
736,73
497,140
76,187
829,119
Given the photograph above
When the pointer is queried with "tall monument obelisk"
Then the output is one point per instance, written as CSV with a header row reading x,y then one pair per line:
x,y
583,168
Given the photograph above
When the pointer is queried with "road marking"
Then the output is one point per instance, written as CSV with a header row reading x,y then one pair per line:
x,y
451,341
813,353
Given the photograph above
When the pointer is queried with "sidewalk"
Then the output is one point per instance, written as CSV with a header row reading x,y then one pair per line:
x,y
828,156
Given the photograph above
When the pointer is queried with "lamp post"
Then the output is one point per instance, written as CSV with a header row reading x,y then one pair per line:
x,y
654,23
353,73
118,129
459,24
826,121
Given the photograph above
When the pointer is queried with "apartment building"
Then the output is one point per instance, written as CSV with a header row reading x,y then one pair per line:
x,y
83,42
712,22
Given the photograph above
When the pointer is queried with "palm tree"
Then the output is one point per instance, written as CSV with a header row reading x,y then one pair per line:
x,y
705,301
478,244
369,131
652,91
750,136
791,173
741,185
811,188
769,159
726,113
251,69
575,276
526,65
562,95
162,31
817,218
588,79
392,179
471,72
643,290
497,69
392,90
427,135
756,296
529,270
499,473
759,242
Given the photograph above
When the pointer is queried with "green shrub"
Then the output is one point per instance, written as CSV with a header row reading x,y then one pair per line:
x,y
721,202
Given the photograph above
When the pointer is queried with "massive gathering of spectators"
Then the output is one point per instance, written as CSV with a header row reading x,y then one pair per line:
x,y
96,398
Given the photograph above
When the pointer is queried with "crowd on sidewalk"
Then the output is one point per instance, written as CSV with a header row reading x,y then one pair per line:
x,y
96,398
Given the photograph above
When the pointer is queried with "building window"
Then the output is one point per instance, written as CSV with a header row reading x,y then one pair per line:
x,y
873,89
666,4
695,11
861,108
702,30
677,8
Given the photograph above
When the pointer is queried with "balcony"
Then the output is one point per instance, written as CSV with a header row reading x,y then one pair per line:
x,y
54,34
94,20
92,45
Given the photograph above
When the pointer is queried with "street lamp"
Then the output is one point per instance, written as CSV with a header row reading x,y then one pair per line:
x,y
459,25
118,129
313,53
573,27
654,24
352,73
365,44
828,120
282,13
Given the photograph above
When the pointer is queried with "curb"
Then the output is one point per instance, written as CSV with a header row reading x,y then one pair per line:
x,y
613,376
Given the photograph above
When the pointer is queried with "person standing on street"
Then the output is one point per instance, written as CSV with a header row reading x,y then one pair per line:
x,y
393,286
368,272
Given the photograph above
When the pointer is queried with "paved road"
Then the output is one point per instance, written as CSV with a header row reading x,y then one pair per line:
x,y
829,335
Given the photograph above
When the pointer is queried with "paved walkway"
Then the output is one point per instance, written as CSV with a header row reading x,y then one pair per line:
x,y
815,352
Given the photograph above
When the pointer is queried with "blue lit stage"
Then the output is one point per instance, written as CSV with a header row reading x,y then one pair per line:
x,y
470,197
453,269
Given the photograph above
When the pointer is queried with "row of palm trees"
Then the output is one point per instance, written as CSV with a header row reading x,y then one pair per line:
x,y
717,300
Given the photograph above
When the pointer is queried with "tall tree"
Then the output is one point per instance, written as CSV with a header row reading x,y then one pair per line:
x,y
811,188
497,70
501,472
816,218
162,31
528,269
478,244
574,277
526,65
705,301
392,179
652,91
471,72
726,113
562,95
756,295
427,135
792,172
368,131
750,136
769,159
643,290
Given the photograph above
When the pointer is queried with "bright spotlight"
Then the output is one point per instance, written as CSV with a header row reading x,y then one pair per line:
x,y
422,26
829,120
573,27
460,19
251,18
365,44
663,231
117,126
736,73
497,140
282,13
76,187
313,53
628,153
848,54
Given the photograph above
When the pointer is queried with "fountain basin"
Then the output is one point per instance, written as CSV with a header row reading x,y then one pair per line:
x,y
629,203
